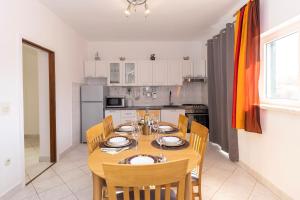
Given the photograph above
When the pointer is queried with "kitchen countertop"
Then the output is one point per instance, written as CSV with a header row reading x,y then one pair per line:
x,y
149,108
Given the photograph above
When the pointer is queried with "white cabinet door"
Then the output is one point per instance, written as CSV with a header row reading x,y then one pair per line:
x,y
101,69
160,73
187,68
89,68
128,116
171,116
174,73
145,70
115,73
116,115
130,73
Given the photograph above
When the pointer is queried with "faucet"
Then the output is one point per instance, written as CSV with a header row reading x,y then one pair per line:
x,y
170,98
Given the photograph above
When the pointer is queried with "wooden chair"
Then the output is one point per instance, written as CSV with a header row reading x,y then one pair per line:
x,y
94,136
108,125
153,113
183,124
135,180
198,140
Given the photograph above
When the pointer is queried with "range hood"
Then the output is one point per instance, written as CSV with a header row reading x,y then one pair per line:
x,y
193,79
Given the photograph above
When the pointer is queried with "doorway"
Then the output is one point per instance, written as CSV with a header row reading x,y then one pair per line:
x,y
39,109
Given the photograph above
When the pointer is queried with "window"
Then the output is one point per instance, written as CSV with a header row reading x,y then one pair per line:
x,y
281,66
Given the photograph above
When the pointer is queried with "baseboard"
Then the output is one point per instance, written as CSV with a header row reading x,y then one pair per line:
x,y
11,192
69,149
281,194
44,159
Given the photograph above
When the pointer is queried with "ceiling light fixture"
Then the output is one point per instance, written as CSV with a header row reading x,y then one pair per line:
x,y
133,4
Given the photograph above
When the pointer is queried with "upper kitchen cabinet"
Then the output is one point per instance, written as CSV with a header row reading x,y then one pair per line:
x,y
89,69
130,73
160,73
145,73
175,73
101,69
187,68
115,73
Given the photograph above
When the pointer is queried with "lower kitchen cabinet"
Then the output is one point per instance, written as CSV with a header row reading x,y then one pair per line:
x,y
128,116
171,115
116,115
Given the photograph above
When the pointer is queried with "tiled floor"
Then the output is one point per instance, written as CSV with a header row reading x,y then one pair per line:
x,y
70,179
32,164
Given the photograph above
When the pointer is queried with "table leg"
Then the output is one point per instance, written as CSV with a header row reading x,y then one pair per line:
x,y
188,187
97,187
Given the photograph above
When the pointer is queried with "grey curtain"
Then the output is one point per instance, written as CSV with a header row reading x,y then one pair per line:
x,y
220,61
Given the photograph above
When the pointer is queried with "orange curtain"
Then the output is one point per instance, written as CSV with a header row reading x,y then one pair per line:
x,y
245,110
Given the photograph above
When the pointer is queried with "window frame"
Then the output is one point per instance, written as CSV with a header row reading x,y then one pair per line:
x,y
266,38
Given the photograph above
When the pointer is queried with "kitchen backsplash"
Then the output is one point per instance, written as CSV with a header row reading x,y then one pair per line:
x,y
187,93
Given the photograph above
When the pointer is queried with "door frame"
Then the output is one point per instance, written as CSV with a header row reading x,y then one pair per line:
x,y
52,97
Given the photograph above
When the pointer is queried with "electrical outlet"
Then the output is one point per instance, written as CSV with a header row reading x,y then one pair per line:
x,y
7,162
4,108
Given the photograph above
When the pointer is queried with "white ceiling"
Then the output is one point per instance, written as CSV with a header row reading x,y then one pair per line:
x,y
170,20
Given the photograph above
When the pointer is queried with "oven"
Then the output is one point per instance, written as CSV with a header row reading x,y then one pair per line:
x,y
198,113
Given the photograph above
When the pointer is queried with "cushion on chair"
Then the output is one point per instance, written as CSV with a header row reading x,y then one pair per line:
x,y
152,195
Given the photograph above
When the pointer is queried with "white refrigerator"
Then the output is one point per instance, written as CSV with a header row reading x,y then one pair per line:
x,y
92,107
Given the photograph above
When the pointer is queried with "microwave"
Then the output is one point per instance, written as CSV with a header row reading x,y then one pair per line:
x,y
115,102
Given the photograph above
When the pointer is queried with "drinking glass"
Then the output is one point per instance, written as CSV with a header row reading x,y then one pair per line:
x,y
160,134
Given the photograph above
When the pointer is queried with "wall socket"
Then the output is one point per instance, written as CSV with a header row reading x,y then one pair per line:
x,y
7,162
4,108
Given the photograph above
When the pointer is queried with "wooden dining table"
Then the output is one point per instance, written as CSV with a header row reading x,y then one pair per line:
x,y
97,158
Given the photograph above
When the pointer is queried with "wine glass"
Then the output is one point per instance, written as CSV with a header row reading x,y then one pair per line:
x,y
135,134
161,143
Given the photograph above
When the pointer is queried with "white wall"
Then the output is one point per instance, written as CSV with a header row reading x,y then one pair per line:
x,y
275,153
31,20
31,91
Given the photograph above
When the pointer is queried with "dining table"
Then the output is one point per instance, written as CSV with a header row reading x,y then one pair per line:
x,y
98,157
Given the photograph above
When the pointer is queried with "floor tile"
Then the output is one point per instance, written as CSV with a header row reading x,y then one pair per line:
x,y
27,192
47,184
57,192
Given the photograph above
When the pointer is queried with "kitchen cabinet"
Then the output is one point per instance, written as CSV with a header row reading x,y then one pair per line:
x,y
101,69
175,73
115,74
187,68
130,73
171,115
145,71
116,115
89,68
128,116
160,73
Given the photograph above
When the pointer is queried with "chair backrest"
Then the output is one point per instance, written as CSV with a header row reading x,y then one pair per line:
x,y
152,113
183,124
108,125
94,136
140,177
198,140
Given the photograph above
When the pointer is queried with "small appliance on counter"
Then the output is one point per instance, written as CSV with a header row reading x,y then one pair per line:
x,y
115,102
92,106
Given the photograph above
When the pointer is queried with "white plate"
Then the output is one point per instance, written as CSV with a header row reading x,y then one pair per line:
x,y
118,141
142,160
166,128
171,141
126,128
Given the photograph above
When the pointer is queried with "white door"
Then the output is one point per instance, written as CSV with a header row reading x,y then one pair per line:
x,y
174,73
145,70
116,115
130,73
160,73
101,69
171,115
89,68
187,68
115,73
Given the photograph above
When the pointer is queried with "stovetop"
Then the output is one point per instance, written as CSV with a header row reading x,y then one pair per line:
x,y
195,108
